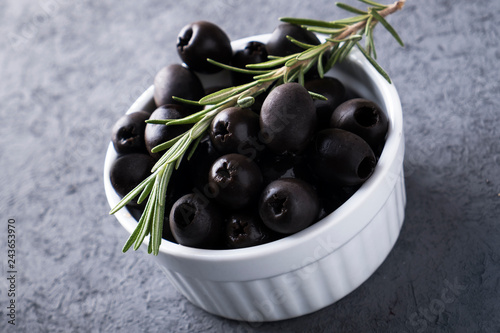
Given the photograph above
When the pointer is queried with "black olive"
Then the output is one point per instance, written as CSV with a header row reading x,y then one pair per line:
x,y
128,171
201,40
259,100
179,81
236,130
341,157
245,229
364,118
196,222
200,163
279,45
288,119
180,184
235,181
332,197
333,90
253,53
275,166
166,232
128,133
288,205
156,134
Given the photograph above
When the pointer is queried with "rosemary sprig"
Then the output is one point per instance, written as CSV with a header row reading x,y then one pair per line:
x,y
343,35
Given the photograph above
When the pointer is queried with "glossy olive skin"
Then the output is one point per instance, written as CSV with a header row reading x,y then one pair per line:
x,y
196,222
179,81
155,134
364,118
279,45
245,229
341,157
288,119
253,53
333,90
201,40
235,181
235,130
128,171
128,133
288,205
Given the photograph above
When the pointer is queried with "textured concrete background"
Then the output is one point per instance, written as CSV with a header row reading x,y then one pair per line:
x,y
69,69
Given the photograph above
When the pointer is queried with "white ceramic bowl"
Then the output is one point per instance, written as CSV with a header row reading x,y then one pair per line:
x,y
313,268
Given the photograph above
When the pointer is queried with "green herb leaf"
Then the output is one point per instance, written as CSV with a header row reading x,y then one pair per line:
x,y
374,63
345,50
350,8
266,77
159,212
166,145
291,62
134,234
193,147
327,31
145,193
185,101
272,63
222,95
386,25
354,38
352,20
300,78
184,144
333,57
317,96
368,26
132,194
311,53
246,102
236,69
299,43
373,51
144,229
321,70
312,23
291,75
178,161
374,4
175,148
183,121
309,64
199,128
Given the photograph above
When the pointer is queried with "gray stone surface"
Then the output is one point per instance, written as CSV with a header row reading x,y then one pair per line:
x,y
69,69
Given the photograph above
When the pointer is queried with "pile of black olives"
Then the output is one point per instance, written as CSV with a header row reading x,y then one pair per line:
x,y
259,173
